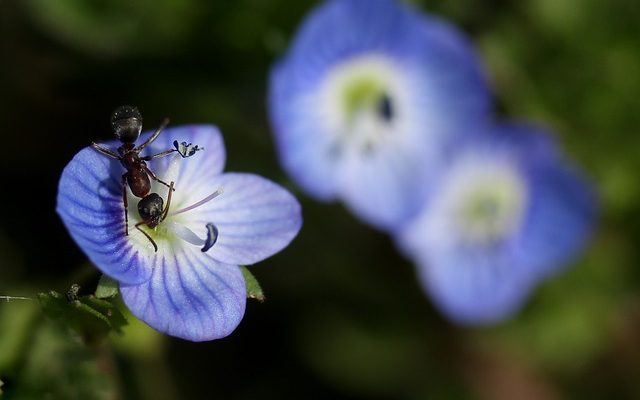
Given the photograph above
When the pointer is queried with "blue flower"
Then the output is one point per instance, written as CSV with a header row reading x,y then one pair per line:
x,y
181,289
506,213
365,101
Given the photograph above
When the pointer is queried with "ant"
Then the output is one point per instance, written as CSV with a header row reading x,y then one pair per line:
x,y
126,123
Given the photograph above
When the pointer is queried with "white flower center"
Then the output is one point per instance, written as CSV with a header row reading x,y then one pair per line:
x,y
362,100
485,202
172,230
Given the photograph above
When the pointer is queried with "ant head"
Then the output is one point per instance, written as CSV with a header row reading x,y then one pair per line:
x,y
126,122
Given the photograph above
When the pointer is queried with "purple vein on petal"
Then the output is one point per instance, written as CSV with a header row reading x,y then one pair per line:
x,y
223,310
196,299
168,294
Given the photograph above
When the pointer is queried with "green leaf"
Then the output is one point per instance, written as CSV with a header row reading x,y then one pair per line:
x,y
86,321
90,317
107,288
107,309
254,291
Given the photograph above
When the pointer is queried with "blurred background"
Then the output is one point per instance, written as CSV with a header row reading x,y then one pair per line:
x,y
345,317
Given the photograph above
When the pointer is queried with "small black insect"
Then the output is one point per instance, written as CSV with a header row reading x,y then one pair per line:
x,y
72,294
152,211
126,123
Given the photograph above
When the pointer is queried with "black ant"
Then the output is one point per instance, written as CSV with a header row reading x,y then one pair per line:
x,y
126,123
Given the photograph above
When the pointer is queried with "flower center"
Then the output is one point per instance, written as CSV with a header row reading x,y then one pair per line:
x,y
362,102
171,230
366,94
488,204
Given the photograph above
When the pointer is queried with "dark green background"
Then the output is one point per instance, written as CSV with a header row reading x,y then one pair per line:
x,y
344,317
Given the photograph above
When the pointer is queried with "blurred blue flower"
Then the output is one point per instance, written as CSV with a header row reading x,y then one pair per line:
x,y
180,289
506,213
367,98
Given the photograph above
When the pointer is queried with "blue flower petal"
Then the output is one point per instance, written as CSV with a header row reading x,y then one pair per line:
x,y
255,218
307,153
560,220
475,287
382,188
339,29
203,165
90,205
190,296
533,146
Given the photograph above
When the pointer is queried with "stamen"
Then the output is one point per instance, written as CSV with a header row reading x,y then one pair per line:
x,y
385,108
189,236
212,237
186,149
186,234
199,203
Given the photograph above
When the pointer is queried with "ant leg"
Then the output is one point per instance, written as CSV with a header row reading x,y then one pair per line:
x,y
155,177
153,137
104,151
124,201
164,153
155,246
166,209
